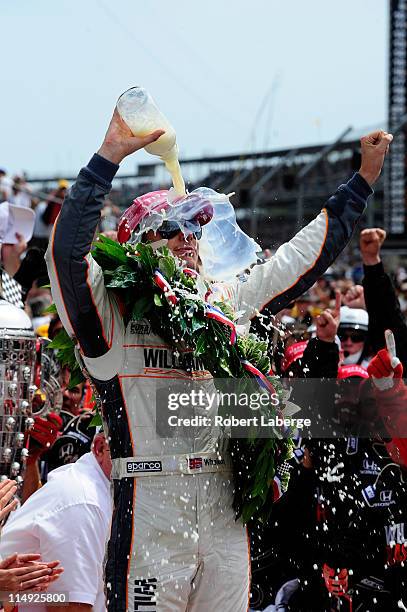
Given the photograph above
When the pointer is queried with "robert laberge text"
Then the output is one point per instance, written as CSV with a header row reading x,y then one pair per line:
x,y
232,421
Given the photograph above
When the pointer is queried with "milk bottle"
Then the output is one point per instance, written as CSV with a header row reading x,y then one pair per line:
x,y
137,108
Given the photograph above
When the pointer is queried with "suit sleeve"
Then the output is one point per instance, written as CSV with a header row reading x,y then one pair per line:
x,y
84,306
298,263
384,311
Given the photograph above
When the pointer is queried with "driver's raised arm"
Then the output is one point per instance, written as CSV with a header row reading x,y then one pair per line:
x,y
85,308
76,279
298,263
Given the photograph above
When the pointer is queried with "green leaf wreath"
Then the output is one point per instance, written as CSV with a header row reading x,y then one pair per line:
x,y
177,314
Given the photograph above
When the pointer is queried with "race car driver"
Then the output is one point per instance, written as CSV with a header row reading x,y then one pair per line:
x,y
175,544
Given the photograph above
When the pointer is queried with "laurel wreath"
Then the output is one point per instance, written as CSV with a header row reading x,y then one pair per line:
x,y
178,312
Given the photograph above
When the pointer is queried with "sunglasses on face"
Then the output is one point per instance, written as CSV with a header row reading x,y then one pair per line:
x,y
169,229
353,336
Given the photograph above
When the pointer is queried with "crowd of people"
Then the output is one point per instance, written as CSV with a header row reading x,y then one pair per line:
x,y
336,540
337,536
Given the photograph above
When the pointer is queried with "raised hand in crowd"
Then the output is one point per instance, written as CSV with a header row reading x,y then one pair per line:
x,y
7,501
374,147
355,297
43,435
370,243
385,367
386,371
328,321
27,572
381,299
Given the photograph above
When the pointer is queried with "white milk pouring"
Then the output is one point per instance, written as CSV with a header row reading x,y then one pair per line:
x,y
137,108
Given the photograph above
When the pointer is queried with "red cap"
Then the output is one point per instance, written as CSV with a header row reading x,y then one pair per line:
x,y
346,371
294,352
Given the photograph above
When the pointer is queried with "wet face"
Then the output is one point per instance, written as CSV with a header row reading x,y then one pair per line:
x,y
352,340
185,248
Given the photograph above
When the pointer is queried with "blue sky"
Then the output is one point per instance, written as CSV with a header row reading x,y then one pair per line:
x,y
231,75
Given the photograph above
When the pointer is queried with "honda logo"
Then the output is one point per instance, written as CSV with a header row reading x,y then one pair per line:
x,y
385,496
66,451
370,466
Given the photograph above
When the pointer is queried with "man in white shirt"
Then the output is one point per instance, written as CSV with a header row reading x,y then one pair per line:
x,y
69,519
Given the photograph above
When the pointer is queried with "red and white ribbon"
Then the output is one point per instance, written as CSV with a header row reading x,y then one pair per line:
x,y
259,376
277,488
165,287
263,382
214,313
207,294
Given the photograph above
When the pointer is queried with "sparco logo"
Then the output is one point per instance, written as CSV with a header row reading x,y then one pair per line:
x,y
144,595
144,466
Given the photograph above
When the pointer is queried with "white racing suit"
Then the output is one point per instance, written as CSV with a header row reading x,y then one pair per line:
x,y
174,544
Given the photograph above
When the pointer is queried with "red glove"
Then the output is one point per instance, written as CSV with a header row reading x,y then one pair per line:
x,y
43,434
337,584
381,368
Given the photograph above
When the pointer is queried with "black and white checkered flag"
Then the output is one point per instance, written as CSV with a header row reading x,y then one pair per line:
x,y
10,290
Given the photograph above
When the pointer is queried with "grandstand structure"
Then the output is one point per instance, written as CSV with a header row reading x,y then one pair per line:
x,y
278,191
275,192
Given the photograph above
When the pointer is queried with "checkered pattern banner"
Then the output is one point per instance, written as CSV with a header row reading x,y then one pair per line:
x,y
10,290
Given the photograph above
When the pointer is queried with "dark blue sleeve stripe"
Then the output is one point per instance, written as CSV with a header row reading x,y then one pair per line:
x,y
73,236
116,417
